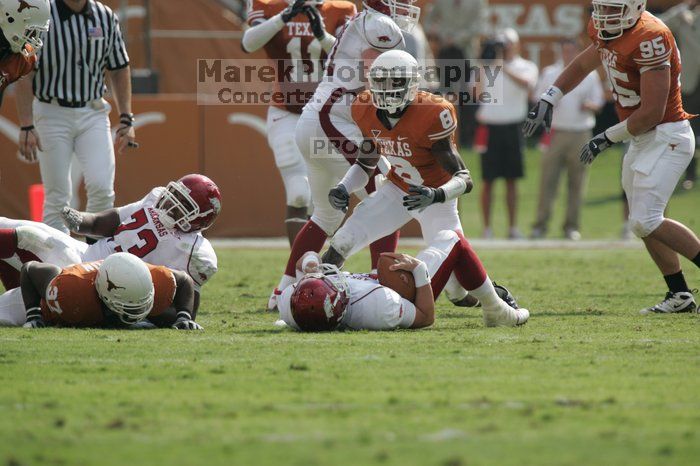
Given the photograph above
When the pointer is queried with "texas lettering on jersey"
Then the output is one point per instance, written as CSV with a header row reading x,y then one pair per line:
x,y
408,145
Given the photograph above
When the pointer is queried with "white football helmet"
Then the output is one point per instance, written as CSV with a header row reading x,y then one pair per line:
x,y
23,22
393,80
404,13
125,285
612,17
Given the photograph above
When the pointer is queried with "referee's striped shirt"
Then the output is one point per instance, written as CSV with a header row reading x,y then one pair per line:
x,y
78,48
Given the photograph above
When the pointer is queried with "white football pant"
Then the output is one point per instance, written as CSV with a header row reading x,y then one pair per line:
x,y
84,132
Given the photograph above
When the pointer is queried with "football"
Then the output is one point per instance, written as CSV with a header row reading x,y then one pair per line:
x,y
14,66
400,281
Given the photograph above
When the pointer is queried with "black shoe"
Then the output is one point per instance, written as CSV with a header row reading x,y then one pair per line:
x,y
467,301
505,295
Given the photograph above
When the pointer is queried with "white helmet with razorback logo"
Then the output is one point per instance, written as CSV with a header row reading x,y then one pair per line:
x,y
393,80
612,17
125,285
403,12
22,22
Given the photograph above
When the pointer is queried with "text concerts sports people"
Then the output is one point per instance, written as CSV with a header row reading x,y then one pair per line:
x,y
22,24
327,299
294,36
326,134
643,65
164,228
120,291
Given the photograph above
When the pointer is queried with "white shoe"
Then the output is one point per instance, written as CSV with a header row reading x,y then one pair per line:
x,y
682,301
573,235
272,302
487,233
506,316
515,234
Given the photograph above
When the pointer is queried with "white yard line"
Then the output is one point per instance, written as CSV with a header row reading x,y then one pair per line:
x,y
479,244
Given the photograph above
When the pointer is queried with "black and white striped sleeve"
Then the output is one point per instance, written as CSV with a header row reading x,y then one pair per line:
x,y
118,57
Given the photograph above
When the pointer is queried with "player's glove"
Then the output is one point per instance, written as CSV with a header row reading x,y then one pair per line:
x,y
34,319
184,322
540,114
421,197
595,146
72,219
317,26
339,198
292,10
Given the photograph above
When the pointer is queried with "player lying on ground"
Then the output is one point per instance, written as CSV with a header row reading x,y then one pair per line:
x,y
414,131
326,121
22,24
164,228
327,299
643,65
121,291
290,31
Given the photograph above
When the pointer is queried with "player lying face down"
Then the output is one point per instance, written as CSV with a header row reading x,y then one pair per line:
x,y
326,299
120,292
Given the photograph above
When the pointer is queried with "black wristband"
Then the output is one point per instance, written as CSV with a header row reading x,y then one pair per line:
x,y
27,128
126,119
439,195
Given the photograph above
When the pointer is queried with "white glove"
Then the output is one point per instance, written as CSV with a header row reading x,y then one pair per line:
x,y
72,219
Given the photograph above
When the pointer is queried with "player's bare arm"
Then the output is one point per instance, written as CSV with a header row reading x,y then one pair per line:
x,y
184,303
102,224
461,182
356,177
425,303
573,74
34,281
29,142
655,84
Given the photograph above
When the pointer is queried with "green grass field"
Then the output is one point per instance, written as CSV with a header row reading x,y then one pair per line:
x,y
587,381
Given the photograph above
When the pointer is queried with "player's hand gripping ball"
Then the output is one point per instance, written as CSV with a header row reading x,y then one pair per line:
x,y
400,281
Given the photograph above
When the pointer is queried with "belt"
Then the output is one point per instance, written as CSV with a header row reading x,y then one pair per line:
x,y
64,103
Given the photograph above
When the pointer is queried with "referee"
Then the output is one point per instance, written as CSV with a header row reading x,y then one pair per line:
x,y
64,113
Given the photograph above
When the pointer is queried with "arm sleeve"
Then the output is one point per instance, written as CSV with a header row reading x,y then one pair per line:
x,y
118,57
257,36
654,51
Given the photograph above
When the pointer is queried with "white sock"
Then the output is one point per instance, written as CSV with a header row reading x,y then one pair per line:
x,y
285,282
486,294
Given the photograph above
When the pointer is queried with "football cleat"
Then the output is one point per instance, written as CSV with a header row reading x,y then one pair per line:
x,y
467,301
682,301
272,302
505,316
505,295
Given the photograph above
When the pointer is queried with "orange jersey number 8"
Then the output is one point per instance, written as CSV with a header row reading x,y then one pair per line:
x,y
52,300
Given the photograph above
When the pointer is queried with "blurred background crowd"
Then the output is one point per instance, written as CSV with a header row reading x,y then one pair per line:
x,y
535,39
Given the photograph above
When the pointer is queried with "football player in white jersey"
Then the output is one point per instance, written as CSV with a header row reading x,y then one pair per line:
x,y
326,134
164,228
327,299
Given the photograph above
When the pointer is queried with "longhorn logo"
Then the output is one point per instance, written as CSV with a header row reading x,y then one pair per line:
x,y
111,286
673,147
23,5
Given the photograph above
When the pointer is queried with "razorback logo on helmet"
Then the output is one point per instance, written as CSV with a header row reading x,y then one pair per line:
x,y
216,204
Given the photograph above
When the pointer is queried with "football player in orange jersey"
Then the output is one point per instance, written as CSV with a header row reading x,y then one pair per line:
x,y
414,131
120,291
22,24
642,62
293,35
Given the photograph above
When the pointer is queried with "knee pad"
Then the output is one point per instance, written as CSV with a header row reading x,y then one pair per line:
x,y
327,219
296,186
286,151
644,226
